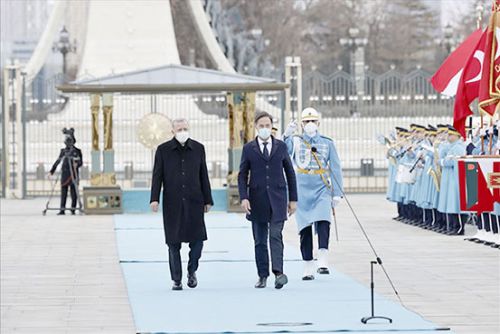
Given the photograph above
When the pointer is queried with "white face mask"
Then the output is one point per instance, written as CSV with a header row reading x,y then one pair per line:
x,y
182,136
264,133
311,128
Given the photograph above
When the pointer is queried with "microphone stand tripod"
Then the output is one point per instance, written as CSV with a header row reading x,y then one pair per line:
x,y
372,288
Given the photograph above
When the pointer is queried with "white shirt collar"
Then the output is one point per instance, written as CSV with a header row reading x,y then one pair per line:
x,y
269,142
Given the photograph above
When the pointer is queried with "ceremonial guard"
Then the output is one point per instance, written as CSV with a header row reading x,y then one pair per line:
x,y
424,197
392,156
440,144
395,154
406,178
416,153
449,197
441,147
320,187
483,137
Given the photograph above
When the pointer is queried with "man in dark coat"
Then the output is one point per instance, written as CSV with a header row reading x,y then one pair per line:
x,y
263,196
71,158
180,168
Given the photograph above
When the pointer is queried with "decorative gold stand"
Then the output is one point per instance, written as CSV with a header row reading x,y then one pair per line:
x,y
241,109
104,196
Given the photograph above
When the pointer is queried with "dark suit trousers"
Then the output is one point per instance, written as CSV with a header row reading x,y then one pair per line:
x,y
261,231
306,239
175,262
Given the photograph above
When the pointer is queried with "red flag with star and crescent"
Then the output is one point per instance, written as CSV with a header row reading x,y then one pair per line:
x,y
460,75
489,89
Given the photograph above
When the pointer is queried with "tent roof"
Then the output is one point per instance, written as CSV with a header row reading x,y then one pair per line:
x,y
172,78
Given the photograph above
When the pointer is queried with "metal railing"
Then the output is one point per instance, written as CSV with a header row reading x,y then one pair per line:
x,y
353,121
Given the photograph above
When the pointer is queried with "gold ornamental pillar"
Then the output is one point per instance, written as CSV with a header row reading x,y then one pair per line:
x,y
241,109
108,177
105,175
95,154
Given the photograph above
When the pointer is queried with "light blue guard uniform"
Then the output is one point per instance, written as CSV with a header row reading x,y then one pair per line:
x,y
315,197
319,185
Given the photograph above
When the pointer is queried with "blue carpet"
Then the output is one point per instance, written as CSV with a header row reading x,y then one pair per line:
x,y
225,300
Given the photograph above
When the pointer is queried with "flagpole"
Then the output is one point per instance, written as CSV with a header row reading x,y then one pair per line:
x,y
479,24
490,144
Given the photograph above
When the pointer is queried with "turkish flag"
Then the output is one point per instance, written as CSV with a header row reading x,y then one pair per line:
x,y
468,86
447,77
489,90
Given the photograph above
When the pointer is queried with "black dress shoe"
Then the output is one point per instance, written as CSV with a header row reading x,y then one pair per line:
x,y
261,283
308,278
323,271
72,212
192,281
280,281
177,286
61,213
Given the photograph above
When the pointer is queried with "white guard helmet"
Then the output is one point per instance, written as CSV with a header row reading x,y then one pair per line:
x,y
309,114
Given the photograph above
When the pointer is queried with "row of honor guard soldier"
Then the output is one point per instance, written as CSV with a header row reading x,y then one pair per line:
x,y
423,176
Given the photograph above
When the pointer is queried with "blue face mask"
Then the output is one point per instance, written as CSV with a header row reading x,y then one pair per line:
x,y
264,133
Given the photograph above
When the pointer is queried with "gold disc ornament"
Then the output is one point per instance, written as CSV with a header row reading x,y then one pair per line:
x,y
154,129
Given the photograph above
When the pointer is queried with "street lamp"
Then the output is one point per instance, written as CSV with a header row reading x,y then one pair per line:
x,y
479,14
448,40
356,46
64,46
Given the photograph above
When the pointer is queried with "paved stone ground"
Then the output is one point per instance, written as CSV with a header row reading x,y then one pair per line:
x,y
61,274
452,282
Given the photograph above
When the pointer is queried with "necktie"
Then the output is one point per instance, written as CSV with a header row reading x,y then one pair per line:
x,y
265,151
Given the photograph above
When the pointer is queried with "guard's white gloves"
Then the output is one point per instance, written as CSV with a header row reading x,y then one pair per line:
x,y
441,162
482,132
335,201
290,129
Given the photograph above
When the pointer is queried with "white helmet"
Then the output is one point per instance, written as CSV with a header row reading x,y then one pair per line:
x,y
309,114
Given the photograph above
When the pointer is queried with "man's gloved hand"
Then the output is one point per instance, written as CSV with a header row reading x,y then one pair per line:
x,y
335,201
290,129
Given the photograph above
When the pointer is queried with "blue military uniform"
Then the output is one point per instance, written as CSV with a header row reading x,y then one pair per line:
x,y
423,197
449,197
394,192
315,197
320,186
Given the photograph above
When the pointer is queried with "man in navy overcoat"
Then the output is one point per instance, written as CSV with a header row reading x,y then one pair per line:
x,y
266,197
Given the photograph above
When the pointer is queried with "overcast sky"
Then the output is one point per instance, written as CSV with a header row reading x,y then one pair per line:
x,y
451,8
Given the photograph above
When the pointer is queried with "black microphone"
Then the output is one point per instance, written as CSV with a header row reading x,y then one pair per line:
x,y
314,150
